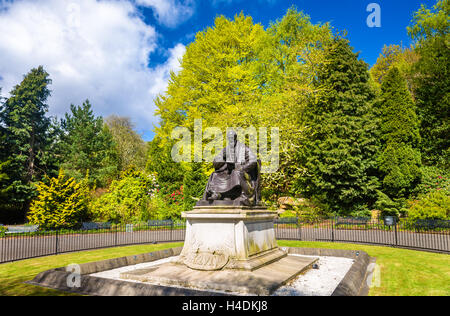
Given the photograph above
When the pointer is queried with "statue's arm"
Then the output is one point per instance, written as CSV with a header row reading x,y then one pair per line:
x,y
219,161
251,161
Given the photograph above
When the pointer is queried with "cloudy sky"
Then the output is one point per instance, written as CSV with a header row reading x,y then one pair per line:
x,y
119,53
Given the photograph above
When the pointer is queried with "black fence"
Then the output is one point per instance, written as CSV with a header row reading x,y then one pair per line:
x,y
431,235
18,244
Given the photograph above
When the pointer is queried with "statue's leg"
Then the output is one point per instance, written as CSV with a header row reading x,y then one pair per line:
x,y
247,190
207,190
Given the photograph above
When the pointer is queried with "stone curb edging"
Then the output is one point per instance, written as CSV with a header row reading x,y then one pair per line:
x,y
353,284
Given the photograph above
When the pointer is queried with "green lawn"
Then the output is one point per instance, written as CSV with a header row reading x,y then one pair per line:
x,y
12,275
403,272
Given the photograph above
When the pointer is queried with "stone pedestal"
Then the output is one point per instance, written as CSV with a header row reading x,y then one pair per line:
x,y
230,237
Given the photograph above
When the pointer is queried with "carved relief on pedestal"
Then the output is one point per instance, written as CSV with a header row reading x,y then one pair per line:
x,y
208,261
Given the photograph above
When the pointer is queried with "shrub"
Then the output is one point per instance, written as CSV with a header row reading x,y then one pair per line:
x,y
434,205
163,206
308,211
62,203
127,198
3,230
433,179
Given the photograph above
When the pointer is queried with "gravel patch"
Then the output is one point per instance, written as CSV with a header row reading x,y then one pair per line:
x,y
115,273
315,282
318,282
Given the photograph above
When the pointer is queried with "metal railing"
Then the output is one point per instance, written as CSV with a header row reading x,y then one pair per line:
x,y
23,245
431,235
422,235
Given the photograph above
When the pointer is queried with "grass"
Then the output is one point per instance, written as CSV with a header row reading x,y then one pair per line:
x,y
12,275
403,272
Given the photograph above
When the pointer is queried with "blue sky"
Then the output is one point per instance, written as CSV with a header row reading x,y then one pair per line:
x,y
119,53
350,15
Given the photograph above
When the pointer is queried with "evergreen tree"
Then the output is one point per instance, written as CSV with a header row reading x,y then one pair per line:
x,y
194,184
341,141
400,158
88,146
26,138
169,173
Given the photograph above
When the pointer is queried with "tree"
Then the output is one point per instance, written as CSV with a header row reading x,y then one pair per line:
x,y
26,137
194,184
132,150
400,159
430,30
395,56
169,174
341,141
88,146
236,74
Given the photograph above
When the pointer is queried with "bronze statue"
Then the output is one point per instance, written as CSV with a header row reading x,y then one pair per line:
x,y
236,179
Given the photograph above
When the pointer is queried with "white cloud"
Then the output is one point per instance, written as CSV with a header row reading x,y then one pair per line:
x,y
96,50
162,72
170,13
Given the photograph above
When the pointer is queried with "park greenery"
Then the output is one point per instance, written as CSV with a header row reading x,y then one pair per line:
x,y
352,139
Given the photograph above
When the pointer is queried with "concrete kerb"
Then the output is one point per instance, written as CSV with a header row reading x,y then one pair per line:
x,y
353,284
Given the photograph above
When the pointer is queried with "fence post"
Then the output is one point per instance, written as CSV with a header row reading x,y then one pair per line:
x,y
171,230
115,237
332,229
395,231
299,226
56,243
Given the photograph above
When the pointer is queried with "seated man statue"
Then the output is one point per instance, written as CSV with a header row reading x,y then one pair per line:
x,y
236,179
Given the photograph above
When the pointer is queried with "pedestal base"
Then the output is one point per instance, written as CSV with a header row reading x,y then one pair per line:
x,y
263,281
230,237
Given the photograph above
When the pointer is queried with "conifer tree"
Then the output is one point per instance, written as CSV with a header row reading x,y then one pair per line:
x,y
400,158
88,146
194,184
169,173
341,141
26,138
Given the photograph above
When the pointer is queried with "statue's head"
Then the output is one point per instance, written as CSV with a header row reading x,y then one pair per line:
x,y
231,137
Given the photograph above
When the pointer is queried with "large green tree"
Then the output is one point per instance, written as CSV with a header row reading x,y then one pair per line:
x,y
27,137
236,74
430,30
88,147
131,148
400,159
395,56
341,145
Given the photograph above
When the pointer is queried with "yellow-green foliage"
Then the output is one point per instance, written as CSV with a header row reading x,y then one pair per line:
x,y
434,205
62,203
127,198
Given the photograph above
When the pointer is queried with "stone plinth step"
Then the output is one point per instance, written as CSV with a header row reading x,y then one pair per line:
x,y
262,281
